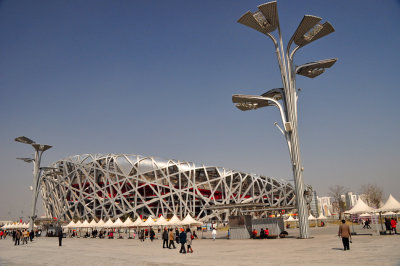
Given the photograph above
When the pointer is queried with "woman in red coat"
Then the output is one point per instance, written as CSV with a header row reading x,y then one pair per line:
x,y
393,223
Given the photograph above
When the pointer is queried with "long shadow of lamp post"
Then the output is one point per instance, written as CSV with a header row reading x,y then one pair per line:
x,y
266,21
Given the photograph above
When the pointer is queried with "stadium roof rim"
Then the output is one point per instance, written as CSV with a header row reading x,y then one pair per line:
x,y
81,158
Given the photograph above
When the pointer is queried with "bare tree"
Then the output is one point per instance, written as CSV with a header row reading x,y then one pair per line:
x,y
373,195
338,203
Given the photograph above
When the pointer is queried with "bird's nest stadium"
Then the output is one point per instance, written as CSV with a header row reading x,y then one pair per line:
x,y
112,185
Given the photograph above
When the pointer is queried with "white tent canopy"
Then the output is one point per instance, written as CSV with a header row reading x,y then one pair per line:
x,y
149,222
290,219
138,222
85,224
389,213
391,205
118,223
93,224
365,215
128,223
174,220
311,217
321,217
78,224
190,221
360,207
70,225
161,221
100,223
108,224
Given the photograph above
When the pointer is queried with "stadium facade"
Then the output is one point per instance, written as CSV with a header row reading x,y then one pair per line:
x,y
113,185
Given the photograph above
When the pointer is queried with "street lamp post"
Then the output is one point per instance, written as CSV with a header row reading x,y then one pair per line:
x,y
39,149
266,21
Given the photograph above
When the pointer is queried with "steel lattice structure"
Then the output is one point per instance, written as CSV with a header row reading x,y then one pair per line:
x,y
109,186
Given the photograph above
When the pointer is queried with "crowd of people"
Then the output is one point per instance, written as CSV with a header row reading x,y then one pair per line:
x,y
263,233
18,236
391,225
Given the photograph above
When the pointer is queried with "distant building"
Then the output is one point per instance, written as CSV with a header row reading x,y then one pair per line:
x,y
325,206
314,204
351,200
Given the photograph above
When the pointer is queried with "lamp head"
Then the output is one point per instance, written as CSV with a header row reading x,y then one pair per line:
x,y
314,69
40,147
276,94
27,160
250,102
265,20
310,30
24,139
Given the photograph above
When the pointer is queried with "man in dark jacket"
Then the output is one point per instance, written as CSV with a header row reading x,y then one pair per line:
x,y
182,240
152,234
177,235
344,232
165,238
60,237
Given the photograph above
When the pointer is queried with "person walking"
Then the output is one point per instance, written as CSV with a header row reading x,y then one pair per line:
x,y
141,235
31,235
182,240
165,238
393,223
171,239
17,237
189,238
60,237
344,232
214,234
177,235
152,234
25,238
388,225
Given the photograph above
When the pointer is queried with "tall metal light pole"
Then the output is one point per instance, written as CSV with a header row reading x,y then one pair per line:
x,y
266,21
39,149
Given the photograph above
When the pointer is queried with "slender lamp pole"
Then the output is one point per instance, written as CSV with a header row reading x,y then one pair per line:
x,y
39,149
266,21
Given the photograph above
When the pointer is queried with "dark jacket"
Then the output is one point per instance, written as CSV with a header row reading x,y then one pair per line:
x,y
182,237
165,235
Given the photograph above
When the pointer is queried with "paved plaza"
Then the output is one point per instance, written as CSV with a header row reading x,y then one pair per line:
x,y
325,248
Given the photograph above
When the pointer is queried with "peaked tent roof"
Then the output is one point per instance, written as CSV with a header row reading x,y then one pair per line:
x,y
149,222
290,219
311,217
389,213
190,221
118,223
93,223
78,224
138,222
360,207
100,223
174,220
71,224
85,224
108,224
321,217
161,221
391,205
128,222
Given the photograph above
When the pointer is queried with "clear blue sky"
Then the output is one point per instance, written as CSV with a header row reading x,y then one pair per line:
x,y
156,78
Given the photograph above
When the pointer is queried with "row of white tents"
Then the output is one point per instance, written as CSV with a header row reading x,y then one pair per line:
x,y
391,205
174,221
16,226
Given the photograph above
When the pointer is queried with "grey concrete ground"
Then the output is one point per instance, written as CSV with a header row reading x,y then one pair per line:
x,y
325,248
